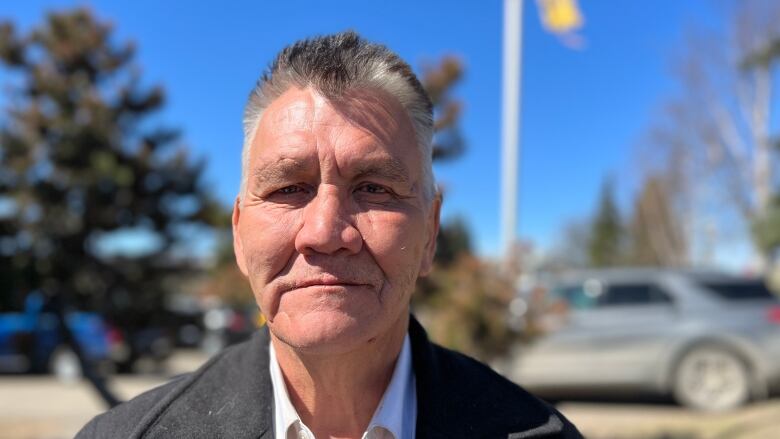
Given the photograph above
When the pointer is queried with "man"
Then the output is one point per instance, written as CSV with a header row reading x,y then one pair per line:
x,y
336,219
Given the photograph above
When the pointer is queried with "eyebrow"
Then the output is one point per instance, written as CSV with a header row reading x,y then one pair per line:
x,y
390,169
386,168
279,170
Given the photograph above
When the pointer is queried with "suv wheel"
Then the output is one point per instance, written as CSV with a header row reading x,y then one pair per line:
x,y
711,378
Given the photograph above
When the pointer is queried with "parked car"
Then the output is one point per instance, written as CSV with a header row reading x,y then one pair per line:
x,y
708,339
31,340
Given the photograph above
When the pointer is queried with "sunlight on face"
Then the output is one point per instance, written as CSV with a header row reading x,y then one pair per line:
x,y
334,229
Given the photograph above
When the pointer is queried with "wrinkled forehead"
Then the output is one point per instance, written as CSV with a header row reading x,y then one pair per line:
x,y
374,111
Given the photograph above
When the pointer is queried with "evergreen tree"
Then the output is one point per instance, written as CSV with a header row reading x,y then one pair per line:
x,y
766,230
765,225
439,80
464,302
80,162
606,238
453,242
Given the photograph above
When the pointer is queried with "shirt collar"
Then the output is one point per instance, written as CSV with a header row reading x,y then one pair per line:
x,y
285,415
396,413
399,400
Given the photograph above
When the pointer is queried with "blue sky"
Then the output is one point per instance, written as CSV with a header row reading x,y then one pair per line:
x,y
583,111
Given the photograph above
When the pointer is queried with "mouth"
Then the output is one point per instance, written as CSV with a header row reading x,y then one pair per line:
x,y
328,281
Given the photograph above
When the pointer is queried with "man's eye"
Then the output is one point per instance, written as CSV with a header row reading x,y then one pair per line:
x,y
289,190
372,189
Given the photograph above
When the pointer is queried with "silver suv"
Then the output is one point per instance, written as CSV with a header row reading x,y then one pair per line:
x,y
710,340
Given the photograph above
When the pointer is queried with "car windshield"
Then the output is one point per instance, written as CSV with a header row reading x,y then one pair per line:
x,y
739,290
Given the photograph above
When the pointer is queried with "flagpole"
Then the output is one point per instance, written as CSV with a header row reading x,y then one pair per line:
x,y
510,123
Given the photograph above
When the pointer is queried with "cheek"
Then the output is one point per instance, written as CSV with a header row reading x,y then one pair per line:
x,y
268,243
396,241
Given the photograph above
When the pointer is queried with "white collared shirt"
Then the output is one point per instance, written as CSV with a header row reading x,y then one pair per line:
x,y
394,418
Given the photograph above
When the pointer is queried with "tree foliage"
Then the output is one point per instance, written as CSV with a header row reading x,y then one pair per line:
x,y
606,240
766,229
656,235
719,128
83,165
464,302
766,224
465,307
439,80
454,241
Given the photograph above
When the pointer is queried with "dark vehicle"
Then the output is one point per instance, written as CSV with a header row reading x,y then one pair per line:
x,y
710,340
145,349
31,340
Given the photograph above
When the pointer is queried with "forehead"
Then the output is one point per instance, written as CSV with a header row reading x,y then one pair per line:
x,y
362,121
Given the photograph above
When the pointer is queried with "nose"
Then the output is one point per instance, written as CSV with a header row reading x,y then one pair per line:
x,y
327,228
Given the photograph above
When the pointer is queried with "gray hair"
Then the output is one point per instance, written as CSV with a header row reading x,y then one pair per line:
x,y
333,65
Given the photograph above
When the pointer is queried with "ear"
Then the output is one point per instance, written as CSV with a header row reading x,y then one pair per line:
x,y
432,227
238,249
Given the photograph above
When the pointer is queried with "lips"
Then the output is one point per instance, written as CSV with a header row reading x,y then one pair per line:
x,y
326,280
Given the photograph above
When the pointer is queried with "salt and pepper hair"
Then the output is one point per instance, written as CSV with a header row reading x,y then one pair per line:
x,y
333,65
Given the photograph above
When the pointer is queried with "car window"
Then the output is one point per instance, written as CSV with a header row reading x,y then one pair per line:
x,y
633,294
583,295
739,290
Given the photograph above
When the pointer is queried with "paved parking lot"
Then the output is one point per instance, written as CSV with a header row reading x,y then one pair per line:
x,y
666,421
42,408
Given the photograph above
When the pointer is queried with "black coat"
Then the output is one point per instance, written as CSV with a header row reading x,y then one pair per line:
x,y
231,397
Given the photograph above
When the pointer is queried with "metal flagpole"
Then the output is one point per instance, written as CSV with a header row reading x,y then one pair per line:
x,y
510,121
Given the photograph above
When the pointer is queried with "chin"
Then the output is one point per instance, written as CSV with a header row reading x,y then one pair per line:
x,y
325,332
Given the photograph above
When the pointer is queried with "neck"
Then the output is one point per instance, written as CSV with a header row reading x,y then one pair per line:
x,y
336,395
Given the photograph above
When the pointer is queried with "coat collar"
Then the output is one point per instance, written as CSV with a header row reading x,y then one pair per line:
x,y
229,396
458,396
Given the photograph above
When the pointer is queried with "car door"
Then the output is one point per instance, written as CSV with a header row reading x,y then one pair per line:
x,y
561,356
627,331
613,335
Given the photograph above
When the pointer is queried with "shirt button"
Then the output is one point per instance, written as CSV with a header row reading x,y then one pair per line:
x,y
302,435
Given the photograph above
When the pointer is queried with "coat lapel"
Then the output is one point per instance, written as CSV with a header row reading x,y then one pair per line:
x,y
230,397
460,397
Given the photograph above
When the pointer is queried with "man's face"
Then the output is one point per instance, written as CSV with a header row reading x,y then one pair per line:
x,y
334,230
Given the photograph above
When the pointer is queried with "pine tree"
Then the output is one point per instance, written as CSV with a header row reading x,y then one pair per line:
x,y
81,162
439,80
765,225
606,239
454,241
766,230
